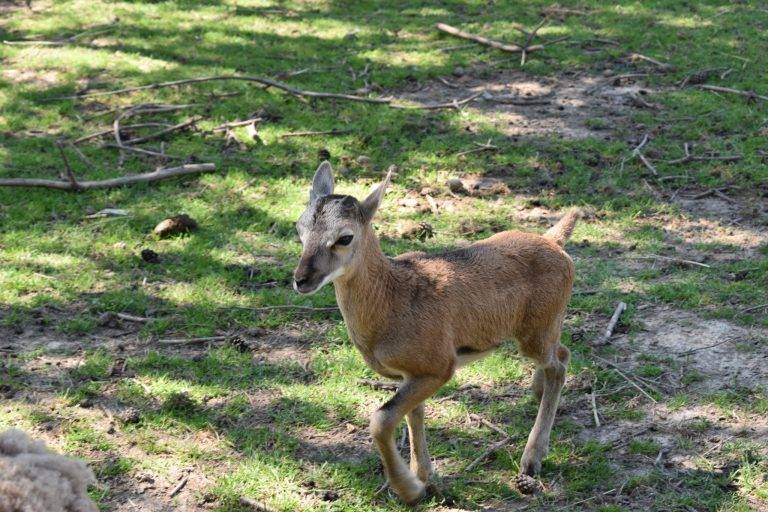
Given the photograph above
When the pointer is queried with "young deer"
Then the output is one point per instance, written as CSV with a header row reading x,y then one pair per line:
x,y
418,317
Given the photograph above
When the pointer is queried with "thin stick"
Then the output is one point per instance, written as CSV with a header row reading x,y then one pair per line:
x,y
688,157
594,406
495,446
310,133
157,175
184,341
145,151
748,94
453,104
107,131
132,318
632,382
176,490
259,506
70,174
481,147
659,64
513,48
648,164
755,308
234,124
620,307
687,352
176,127
261,80
488,424
668,258
528,39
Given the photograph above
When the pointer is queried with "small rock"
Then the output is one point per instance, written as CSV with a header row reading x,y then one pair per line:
x,y
330,495
175,225
86,403
129,415
150,256
456,186
459,71
428,191
323,155
363,161
350,428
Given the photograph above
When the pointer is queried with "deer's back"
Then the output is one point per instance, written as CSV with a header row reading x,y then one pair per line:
x,y
479,295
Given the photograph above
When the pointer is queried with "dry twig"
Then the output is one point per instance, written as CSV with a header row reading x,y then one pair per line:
x,y
620,308
480,458
669,258
749,94
436,106
484,40
311,133
157,175
626,378
258,506
176,490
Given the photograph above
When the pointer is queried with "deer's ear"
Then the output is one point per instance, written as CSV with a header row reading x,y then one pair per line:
x,y
371,203
322,183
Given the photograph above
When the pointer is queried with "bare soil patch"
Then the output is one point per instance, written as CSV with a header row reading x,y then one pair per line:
x,y
572,105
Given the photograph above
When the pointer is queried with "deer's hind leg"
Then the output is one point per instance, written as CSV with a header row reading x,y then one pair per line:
x,y
552,362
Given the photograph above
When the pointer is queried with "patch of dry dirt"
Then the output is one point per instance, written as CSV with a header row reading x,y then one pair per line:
x,y
726,355
572,105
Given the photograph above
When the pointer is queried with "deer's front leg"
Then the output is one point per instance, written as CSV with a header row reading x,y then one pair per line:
x,y
421,464
383,424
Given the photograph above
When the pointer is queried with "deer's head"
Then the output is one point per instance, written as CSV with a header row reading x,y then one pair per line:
x,y
332,230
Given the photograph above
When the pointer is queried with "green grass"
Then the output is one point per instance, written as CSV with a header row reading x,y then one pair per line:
x,y
256,421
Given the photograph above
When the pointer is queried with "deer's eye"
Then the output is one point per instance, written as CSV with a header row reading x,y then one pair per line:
x,y
344,240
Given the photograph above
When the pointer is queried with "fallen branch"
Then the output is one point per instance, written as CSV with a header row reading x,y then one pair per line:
x,y
157,175
513,48
749,94
495,446
620,308
261,80
624,376
668,258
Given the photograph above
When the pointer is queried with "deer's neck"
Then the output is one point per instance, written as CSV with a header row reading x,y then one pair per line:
x,y
365,296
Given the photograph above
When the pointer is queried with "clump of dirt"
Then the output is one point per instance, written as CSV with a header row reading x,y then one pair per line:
x,y
574,105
